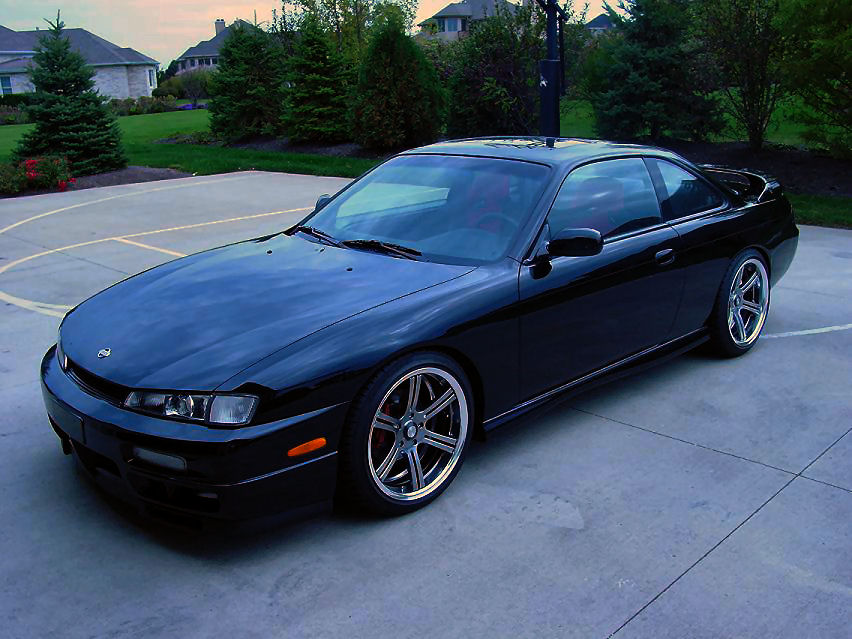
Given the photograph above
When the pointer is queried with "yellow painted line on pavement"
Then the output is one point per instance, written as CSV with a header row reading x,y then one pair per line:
x,y
58,310
152,248
120,195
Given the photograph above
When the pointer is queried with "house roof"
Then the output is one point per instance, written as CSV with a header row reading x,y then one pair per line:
x,y
94,49
212,46
15,65
603,21
474,9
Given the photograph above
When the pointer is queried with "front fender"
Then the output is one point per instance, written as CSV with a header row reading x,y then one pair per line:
x,y
475,315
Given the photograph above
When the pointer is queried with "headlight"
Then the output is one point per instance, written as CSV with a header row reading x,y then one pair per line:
x,y
228,410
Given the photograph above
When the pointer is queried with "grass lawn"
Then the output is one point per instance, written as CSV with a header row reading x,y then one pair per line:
x,y
822,210
140,132
577,121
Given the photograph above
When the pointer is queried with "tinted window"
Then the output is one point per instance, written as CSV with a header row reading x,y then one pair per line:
x,y
686,194
613,197
450,208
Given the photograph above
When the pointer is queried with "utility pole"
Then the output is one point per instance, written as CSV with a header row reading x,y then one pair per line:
x,y
551,69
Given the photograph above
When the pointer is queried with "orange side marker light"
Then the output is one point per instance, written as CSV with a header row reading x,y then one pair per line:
x,y
307,447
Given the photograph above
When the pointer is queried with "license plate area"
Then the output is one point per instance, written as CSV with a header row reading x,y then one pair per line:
x,y
67,421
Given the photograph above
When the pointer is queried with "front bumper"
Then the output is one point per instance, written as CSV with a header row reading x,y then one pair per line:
x,y
230,473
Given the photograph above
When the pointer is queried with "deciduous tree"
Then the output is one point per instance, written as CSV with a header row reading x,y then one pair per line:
x,y
818,67
748,50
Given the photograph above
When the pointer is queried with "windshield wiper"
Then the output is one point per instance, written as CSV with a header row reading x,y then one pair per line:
x,y
384,247
320,235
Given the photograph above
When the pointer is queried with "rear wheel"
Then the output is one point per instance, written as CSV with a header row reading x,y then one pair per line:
x,y
407,434
741,305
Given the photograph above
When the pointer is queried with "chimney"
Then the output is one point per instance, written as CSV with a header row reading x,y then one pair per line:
x,y
220,25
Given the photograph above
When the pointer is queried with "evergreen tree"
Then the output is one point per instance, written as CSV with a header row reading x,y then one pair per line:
x,y
71,118
247,90
398,100
647,86
316,105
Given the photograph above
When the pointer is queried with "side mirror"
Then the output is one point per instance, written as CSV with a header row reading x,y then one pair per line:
x,y
322,200
575,243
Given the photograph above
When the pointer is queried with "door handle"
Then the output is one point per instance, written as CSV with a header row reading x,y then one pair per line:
x,y
664,257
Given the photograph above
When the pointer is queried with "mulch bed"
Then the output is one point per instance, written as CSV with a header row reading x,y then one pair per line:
x,y
799,171
129,175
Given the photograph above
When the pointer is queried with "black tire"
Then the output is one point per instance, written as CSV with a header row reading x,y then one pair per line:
x,y
358,483
722,341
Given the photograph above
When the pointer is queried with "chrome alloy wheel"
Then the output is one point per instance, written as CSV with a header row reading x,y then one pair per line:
x,y
418,434
748,302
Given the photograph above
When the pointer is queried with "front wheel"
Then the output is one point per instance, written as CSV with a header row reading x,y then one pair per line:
x,y
741,306
407,434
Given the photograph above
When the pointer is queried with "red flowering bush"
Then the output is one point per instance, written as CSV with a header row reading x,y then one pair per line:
x,y
36,174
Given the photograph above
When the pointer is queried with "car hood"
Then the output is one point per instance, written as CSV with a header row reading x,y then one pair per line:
x,y
193,323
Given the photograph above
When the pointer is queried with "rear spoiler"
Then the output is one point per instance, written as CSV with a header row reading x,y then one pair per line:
x,y
751,185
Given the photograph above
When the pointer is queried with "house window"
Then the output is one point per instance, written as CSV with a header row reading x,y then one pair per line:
x,y
150,77
183,65
215,60
6,84
192,62
442,25
464,24
452,24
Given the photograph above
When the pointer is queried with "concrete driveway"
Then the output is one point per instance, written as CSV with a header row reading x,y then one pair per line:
x,y
705,498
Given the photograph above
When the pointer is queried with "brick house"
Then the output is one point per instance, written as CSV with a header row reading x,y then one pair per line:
x,y
453,21
120,72
205,54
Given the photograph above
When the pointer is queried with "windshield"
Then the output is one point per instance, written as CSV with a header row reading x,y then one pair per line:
x,y
449,208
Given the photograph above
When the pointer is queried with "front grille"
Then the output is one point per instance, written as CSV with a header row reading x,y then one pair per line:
x,y
97,386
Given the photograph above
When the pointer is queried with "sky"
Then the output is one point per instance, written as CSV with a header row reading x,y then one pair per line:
x,y
162,29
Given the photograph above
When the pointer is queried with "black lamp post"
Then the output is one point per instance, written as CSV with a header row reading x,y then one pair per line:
x,y
551,69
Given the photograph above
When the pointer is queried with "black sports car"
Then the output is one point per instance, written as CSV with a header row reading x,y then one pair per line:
x,y
443,293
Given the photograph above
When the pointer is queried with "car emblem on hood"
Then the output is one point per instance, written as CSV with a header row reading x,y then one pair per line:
x,y
104,352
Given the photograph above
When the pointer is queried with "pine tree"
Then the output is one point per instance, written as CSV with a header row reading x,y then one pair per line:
x,y
71,118
317,105
647,86
398,101
247,89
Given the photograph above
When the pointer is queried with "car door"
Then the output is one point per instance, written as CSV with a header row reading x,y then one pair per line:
x,y
710,236
579,314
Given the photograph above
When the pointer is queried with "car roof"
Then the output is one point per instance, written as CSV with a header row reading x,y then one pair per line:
x,y
551,151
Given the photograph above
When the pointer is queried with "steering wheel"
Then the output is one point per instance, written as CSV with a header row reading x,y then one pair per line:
x,y
497,216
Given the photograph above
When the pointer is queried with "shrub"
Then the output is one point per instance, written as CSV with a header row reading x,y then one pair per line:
x,y
247,90
399,100
131,106
16,100
71,118
35,174
170,86
12,115
316,102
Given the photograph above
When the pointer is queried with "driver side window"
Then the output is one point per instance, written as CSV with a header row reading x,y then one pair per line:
x,y
612,197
